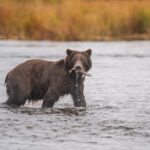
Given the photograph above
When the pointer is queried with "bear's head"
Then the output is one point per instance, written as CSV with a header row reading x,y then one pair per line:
x,y
78,63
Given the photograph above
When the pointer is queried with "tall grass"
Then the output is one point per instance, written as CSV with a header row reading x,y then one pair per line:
x,y
75,19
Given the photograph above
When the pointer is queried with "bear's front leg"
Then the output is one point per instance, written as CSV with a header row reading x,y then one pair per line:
x,y
78,95
49,99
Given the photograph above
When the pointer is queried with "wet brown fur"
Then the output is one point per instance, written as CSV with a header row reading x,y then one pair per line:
x,y
40,79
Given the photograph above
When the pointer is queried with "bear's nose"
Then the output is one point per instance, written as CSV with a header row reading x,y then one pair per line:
x,y
78,67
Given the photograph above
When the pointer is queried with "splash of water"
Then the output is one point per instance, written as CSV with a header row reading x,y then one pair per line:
x,y
77,88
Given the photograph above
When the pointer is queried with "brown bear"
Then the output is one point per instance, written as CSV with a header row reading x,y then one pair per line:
x,y
40,79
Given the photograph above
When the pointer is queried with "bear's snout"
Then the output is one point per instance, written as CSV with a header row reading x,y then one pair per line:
x,y
78,65
78,68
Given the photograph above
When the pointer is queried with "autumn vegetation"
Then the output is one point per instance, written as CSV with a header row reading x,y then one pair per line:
x,y
67,20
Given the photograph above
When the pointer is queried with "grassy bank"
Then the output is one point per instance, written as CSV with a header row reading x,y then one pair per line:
x,y
75,19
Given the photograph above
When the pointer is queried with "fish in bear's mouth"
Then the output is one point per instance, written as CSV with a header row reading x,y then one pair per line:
x,y
79,71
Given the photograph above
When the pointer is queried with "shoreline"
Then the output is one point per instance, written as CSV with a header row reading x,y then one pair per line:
x,y
141,37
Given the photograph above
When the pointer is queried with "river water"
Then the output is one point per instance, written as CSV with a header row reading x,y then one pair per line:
x,y
117,116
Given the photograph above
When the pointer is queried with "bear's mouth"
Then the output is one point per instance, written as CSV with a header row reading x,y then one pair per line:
x,y
81,72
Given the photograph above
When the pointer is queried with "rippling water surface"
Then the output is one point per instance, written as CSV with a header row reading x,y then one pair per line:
x,y
118,96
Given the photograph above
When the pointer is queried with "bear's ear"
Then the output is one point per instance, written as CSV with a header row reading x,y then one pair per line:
x,y
69,51
88,51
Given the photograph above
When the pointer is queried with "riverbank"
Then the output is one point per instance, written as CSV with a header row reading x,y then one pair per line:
x,y
80,20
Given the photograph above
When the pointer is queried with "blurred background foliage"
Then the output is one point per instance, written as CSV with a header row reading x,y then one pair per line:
x,y
68,20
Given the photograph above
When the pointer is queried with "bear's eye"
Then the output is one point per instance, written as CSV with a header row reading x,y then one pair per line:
x,y
74,60
81,59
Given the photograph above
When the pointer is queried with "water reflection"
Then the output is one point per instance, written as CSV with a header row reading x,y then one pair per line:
x,y
117,114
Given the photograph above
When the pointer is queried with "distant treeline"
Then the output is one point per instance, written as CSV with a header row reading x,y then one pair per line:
x,y
75,19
